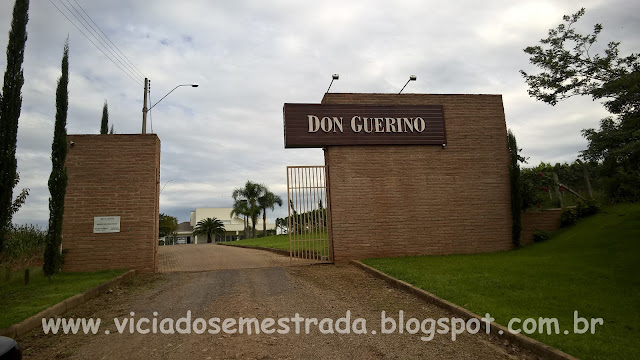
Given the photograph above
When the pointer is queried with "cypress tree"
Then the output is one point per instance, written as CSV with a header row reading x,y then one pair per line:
x,y
10,105
516,195
104,126
58,177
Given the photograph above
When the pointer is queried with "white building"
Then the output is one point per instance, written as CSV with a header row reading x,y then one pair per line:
x,y
234,226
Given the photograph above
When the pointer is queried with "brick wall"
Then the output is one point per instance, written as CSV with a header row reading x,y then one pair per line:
x,y
112,175
546,220
414,200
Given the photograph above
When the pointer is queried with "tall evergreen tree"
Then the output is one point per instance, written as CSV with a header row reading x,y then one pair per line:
x,y
58,177
516,195
10,105
104,126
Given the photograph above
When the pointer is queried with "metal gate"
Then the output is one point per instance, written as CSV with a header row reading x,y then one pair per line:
x,y
309,220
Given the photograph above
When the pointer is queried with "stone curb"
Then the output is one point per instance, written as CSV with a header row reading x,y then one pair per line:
x,y
60,308
277,251
528,343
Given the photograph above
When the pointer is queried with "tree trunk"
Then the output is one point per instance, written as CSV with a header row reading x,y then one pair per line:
x,y
264,222
253,226
245,222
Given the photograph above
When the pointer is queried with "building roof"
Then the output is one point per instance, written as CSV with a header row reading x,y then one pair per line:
x,y
185,227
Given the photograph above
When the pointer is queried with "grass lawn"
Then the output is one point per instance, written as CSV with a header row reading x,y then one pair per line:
x,y
282,242
18,302
592,267
274,242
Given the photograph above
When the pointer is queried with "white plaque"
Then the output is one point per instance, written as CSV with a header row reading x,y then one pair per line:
x,y
106,224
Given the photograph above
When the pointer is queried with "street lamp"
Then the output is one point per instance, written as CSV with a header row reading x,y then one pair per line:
x,y
333,77
145,110
411,78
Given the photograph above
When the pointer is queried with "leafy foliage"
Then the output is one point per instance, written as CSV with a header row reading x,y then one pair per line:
x,y
250,195
268,201
210,227
281,223
540,235
537,182
24,243
58,177
240,208
570,68
10,107
168,225
516,195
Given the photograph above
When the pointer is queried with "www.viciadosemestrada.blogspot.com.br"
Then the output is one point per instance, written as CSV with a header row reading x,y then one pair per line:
x,y
427,327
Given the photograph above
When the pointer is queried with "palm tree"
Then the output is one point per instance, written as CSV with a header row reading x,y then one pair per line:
x,y
210,227
250,193
268,201
240,208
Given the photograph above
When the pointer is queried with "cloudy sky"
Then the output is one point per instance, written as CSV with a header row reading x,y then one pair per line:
x,y
250,57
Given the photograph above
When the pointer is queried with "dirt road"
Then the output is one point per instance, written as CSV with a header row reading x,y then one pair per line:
x,y
206,257
312,291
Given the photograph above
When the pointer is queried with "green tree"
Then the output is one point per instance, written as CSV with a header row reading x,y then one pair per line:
x,y
210,227
10,106
571,68
168,225
268,201
516,195
250,193
240,208
58,177
104,125
282,224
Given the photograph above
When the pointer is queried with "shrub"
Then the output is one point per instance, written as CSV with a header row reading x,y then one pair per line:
x,y
24,242
540,235
568,217
587,208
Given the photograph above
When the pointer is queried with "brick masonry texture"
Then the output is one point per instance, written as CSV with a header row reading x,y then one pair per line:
x,y
546,220
399,200
112,175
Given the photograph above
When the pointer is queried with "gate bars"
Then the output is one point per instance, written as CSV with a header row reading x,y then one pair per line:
x,y
309,217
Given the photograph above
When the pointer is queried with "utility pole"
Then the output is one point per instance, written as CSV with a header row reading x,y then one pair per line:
x,y
144,107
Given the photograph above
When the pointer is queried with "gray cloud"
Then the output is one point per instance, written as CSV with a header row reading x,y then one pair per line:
x,y
250,57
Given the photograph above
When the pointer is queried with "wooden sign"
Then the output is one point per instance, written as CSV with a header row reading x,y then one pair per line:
x,y
317,125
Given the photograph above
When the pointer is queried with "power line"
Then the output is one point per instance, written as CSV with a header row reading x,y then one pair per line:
x,y
94,44
117,49
93,33
100,41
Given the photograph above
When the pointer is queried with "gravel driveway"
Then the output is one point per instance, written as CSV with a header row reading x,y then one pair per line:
x,y
317,291
207,257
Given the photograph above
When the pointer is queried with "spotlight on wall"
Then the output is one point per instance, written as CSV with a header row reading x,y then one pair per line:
x,y
411,78
333,77
71,143
444,146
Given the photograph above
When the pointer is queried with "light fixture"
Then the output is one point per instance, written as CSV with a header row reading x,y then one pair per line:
x,y
192,85
333,77
145,110
411,78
